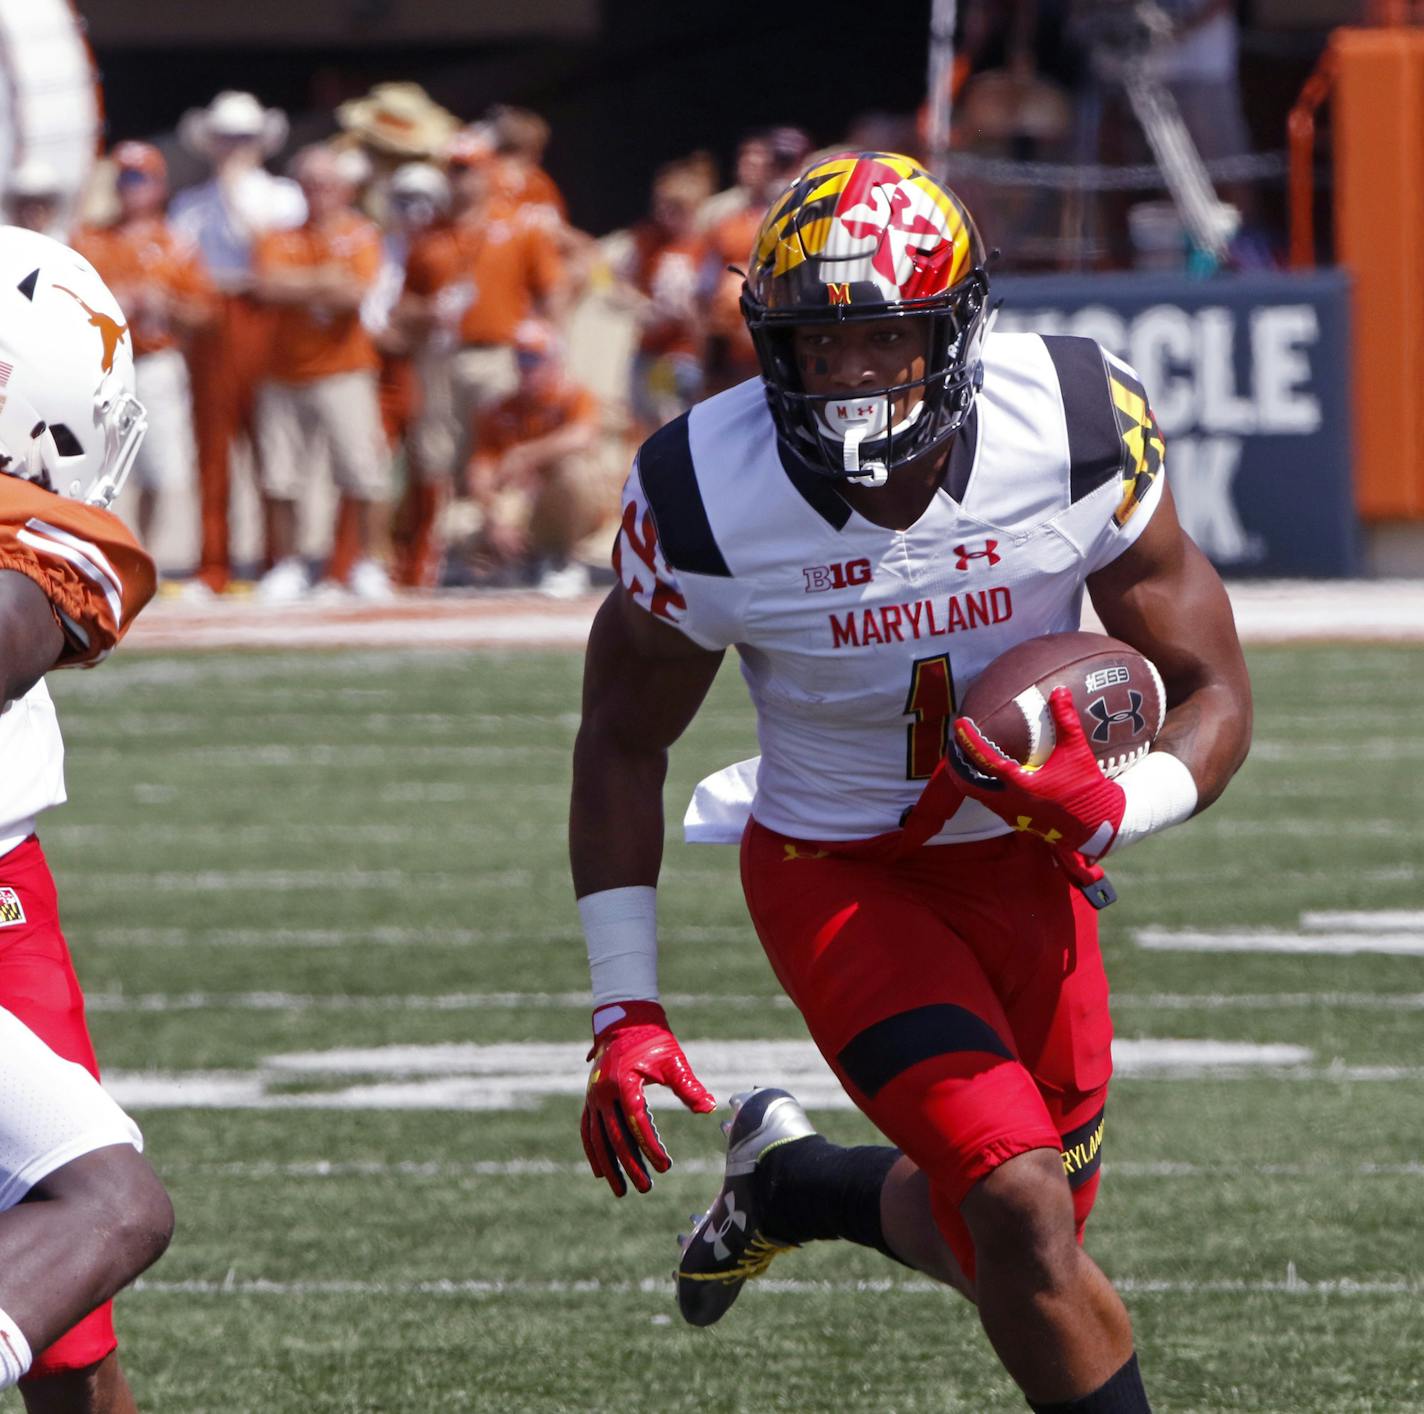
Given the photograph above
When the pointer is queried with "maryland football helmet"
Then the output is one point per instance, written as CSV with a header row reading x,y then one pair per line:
x,y
862,236
69,420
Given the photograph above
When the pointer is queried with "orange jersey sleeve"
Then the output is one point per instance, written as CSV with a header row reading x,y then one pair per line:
x,y
94,573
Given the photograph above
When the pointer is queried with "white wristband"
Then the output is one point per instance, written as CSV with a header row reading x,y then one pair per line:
x,y
1160,791
620,927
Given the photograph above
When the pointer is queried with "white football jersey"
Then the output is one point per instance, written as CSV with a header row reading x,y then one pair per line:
x,y
856,641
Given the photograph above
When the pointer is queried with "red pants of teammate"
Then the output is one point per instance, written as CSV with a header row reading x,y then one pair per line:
x,y
38,985
958,994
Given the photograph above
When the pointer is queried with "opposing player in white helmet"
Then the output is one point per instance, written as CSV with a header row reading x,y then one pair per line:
x,y
81,1211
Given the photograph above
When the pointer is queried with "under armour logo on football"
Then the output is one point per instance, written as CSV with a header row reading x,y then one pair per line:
x,y
989,552
714,1235
1098,708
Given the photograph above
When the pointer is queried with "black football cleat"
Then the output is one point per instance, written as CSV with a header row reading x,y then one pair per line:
x,y
727,1246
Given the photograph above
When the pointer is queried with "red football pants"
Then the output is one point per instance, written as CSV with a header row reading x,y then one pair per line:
x,y
38,985
958,994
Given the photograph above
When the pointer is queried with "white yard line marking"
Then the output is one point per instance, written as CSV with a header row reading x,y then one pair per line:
x,y
1270,1001
265,1171
508,1075
1267,940
309,755
1391,920
392,936
292,880
232,1285
124,1002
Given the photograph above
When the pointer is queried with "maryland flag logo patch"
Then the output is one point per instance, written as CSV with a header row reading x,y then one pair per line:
x,y
11,909
1142,443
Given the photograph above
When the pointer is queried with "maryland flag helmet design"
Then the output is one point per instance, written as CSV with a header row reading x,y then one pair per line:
x,y
862,236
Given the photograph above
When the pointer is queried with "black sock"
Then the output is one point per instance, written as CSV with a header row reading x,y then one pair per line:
x,y
1122,1394
811,1188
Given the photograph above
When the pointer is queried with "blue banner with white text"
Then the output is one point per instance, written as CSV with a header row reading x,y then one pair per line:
x,y
1249,376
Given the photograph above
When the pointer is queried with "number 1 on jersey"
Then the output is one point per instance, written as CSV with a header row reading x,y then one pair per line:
x,y
931,703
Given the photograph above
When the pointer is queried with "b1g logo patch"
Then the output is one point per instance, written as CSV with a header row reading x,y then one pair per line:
x,y
11,909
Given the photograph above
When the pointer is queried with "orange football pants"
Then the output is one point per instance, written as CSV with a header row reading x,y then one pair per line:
x,y
227,360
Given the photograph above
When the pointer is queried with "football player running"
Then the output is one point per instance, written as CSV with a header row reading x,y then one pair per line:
x,y
901,497
81,1211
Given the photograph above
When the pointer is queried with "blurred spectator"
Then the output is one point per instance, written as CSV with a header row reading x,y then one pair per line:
x,y
158,278
520,137
322,377
33,197
536,476
659,276
470,282
766,163
418,196
395,123
223,215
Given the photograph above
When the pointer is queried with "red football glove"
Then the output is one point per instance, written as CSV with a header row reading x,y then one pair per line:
x,y
1067,801
635,1049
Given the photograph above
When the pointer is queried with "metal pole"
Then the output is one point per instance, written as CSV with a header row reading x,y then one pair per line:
x,y
940,81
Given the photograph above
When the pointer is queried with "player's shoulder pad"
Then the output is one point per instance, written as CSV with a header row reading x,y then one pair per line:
x,y
1096,451
669,481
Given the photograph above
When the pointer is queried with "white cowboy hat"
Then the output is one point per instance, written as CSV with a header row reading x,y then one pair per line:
x,y
233,114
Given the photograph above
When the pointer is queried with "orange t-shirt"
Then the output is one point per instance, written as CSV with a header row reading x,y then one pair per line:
x,y
142,256
522,418
496,267
92,570
309,344
729,242
530,187
668,272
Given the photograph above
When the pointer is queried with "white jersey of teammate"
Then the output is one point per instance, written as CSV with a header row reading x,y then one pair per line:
x,y
855,640
97,578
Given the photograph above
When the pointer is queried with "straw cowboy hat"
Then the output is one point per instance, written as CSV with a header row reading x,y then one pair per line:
x,y
232,114
400,119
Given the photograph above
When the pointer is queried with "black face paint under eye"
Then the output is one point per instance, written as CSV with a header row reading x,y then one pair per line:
x,y
814,363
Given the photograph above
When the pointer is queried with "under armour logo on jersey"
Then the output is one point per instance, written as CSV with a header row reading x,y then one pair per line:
x,y
1098,708
989,552
714,1235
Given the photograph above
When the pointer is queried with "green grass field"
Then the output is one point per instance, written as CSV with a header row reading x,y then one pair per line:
x,y
270,860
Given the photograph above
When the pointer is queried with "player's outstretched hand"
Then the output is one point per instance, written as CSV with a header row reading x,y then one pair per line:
x,y
1068,801
618,1130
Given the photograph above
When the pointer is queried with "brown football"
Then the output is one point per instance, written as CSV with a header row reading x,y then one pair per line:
x,y
1118,694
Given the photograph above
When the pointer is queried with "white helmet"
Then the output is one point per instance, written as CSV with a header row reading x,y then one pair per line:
x,y
69,420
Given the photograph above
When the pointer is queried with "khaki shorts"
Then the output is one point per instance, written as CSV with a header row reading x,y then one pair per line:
x,y
167,456
454,389
342,411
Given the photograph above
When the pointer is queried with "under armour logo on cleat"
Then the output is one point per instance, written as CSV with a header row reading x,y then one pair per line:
x,y
714,1235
